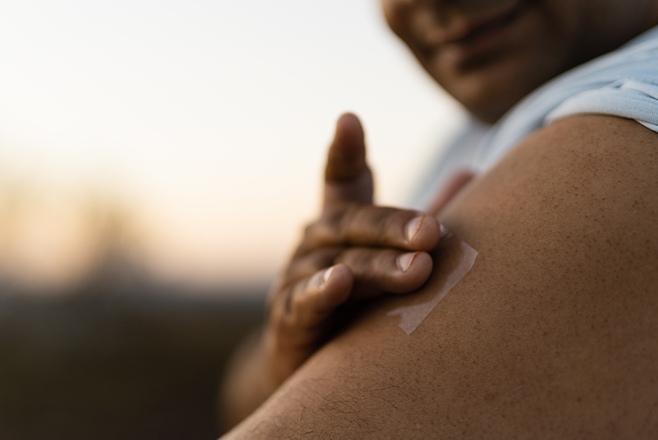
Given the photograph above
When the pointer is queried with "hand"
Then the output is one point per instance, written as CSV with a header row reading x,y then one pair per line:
x,y
354,252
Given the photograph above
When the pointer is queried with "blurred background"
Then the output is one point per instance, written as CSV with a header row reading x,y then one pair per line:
x,y
157,159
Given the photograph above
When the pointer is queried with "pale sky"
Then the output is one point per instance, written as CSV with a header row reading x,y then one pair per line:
x,y
208,119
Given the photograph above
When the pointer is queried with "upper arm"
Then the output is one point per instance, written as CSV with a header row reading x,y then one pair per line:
x,y
554,331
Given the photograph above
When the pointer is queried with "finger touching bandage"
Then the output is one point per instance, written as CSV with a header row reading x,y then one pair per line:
x,y
454,259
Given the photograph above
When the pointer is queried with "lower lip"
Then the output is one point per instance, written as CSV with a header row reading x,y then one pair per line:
x,y
475,48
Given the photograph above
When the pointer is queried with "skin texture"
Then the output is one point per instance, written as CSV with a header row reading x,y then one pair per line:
x,y
354,252
488,54
550,335
540,40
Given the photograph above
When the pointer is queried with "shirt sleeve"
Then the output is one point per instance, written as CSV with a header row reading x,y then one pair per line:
x,y
627,98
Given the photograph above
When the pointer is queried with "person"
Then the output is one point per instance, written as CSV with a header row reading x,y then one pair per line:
x,y
553,332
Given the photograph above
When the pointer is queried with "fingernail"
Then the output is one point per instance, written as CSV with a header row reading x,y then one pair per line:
x,y
443,230
320,279
405,260
327,274
413,226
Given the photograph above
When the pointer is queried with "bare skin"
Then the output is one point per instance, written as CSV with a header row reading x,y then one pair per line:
x,y
550,335
488,54
354,252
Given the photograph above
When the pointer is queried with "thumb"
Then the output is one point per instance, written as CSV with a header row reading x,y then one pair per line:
x,y
347,176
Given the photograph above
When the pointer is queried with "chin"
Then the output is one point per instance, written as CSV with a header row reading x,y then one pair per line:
x,y
489,90
487,107
485,99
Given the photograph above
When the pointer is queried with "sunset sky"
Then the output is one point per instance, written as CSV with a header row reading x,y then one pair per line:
x,y
205,121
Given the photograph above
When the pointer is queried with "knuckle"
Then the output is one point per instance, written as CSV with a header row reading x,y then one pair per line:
x,y
333,225
358,260
279,306
309,238
349,220
320,233
394,224
312,262
386,223
383,225
298,302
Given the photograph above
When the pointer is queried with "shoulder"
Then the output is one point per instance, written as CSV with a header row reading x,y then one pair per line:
x,y
591,162
578,197
551,333
623,83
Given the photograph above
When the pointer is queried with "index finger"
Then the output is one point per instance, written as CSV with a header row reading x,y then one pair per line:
x,y
372,226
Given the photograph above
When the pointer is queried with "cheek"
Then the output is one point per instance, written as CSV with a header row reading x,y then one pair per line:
x,y
396,13
562,18
412,21
590,28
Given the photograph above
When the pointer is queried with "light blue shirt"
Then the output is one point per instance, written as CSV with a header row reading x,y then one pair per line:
x,y
621,83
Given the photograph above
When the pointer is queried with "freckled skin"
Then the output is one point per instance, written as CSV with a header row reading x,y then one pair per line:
x,y
550,335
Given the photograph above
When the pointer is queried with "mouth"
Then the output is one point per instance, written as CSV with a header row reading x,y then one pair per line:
x,y
475,39
482,31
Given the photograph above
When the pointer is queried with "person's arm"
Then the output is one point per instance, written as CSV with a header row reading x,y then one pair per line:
x,y
552,334
354,252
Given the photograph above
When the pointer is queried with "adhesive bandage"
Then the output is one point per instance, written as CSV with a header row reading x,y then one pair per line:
x,y
451,272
